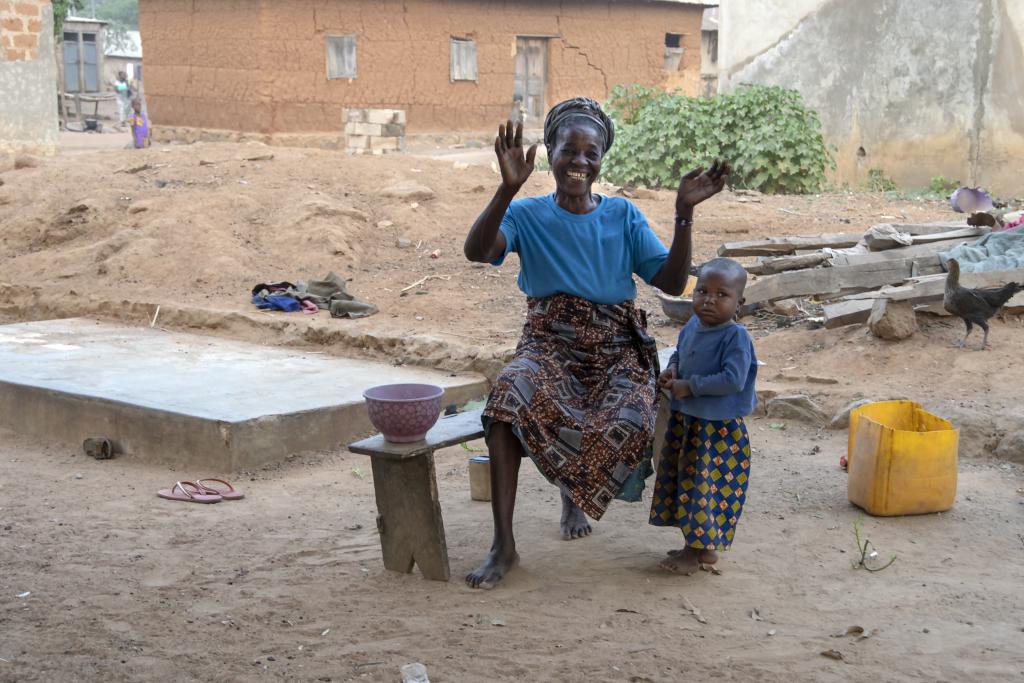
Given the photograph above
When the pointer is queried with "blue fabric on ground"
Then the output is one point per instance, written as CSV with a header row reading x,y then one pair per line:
x,y
277,303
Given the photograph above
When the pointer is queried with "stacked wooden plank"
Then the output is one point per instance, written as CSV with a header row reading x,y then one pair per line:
x,y
849,280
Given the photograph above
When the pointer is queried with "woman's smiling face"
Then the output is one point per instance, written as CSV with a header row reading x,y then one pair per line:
x,y
576,158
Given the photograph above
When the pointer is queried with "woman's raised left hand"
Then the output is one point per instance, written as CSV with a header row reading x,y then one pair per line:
x,y
700,184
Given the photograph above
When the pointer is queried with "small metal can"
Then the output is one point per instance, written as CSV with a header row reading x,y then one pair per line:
x,y
480,477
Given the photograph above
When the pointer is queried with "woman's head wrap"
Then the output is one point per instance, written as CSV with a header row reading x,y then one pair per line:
x,y
578,108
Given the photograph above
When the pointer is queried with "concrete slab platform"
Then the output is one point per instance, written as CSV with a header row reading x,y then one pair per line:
x,y
190,400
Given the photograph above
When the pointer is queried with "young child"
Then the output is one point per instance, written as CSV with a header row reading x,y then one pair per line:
x,y
140,126
702,476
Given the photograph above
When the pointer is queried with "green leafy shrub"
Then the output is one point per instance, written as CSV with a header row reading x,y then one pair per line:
x,y
879,182
61,9
942,186
772,139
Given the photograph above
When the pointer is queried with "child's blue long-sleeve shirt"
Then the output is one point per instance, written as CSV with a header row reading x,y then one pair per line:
x,y
720,364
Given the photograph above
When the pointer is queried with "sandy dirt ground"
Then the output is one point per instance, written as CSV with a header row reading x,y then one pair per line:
x,y
288,583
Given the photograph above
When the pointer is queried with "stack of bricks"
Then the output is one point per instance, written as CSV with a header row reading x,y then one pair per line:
x,y
20,25
375,131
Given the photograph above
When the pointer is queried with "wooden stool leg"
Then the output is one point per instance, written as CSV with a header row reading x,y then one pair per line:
x,y
409,516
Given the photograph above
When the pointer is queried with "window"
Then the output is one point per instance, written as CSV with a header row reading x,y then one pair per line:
x,y
81,62
673,51
463,59
72,80
710,39
341,56
90,66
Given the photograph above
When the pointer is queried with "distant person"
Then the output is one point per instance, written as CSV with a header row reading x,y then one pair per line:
x,y
123,93
140,125
517,115
705,465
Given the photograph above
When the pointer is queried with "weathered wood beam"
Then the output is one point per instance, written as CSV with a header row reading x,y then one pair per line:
x,y
923,256
856,308
779,246
780,264
915,251
929,228
876,243
825,282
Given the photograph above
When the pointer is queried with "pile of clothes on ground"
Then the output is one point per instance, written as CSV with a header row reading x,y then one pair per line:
x,y
310,297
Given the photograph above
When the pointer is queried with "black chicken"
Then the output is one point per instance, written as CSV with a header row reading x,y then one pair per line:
x,y
974,306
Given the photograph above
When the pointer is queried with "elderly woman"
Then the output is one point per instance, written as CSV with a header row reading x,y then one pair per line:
x,y
579,397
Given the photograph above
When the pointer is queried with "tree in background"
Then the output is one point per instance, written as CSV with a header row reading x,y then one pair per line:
x,y
61,9
120,13
123,16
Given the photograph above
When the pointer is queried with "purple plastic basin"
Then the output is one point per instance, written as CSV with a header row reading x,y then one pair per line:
x,y
403,413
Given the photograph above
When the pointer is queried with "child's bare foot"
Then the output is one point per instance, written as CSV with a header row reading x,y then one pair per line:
x,y
493,569
683,561
574,521
708,556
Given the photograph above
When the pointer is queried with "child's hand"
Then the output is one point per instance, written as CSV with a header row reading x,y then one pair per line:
x,y
680,388
666,378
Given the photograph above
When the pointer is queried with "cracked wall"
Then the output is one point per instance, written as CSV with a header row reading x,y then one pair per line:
x,y
918,88
260,65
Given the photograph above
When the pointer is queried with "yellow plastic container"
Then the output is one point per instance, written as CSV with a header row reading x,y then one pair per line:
x,y
902,460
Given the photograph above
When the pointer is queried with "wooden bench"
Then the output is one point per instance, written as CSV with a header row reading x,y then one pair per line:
x,y
408,512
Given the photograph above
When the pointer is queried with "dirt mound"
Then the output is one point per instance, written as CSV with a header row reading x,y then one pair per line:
x,y
198,225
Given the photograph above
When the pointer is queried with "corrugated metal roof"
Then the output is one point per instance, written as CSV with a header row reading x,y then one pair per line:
x,y
702,3
85,20
710,21
699,3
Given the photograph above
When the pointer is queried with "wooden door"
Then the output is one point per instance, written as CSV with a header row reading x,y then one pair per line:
x,y
531,78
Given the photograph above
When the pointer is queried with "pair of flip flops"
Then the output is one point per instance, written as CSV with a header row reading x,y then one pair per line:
x,y
201,491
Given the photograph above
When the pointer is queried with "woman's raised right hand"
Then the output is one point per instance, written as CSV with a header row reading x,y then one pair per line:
x,y
515,166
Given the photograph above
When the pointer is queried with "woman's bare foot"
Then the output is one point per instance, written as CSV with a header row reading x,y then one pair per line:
x,y
493,569
683,561
574,521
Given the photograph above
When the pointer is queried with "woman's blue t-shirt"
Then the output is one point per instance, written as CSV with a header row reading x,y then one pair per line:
x,y
592,256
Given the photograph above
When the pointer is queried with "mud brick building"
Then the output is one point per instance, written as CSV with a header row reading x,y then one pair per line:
x,y
296,66
28,77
